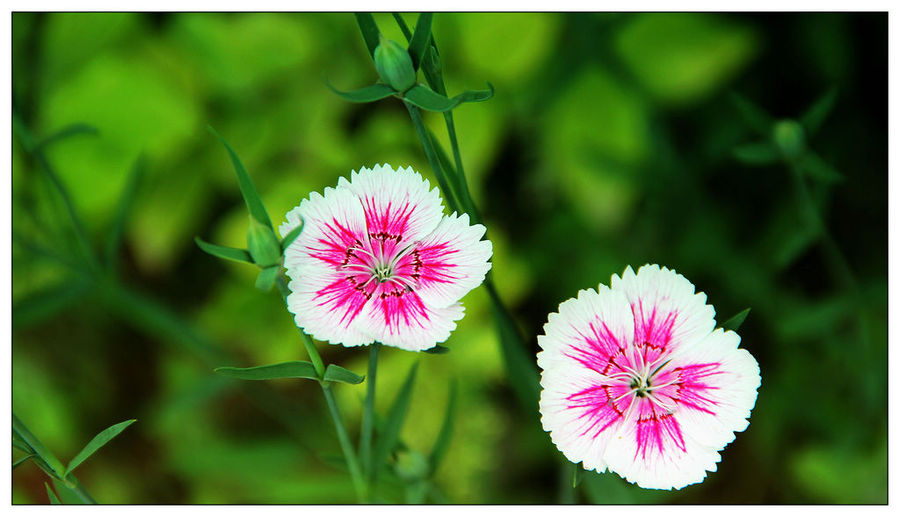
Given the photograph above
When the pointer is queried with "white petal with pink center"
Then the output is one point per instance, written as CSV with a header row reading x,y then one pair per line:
x,y
636,381
378,261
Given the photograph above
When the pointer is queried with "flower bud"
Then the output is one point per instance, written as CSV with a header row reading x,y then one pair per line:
x,y
789,138
262,244
394,65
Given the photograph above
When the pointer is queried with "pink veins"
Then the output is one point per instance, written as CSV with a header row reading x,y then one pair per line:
x,y
640,385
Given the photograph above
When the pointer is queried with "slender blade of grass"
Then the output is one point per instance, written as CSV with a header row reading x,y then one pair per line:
x,y
369,30
735,322
388,437
421,39
102,438
114,239
442,442
248,189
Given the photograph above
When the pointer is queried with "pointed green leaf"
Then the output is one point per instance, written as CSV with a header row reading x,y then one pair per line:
x,y
403,27
735,321
66,132
437,350
372,93
71,492
22,460
754,116
291,237
248,189
387,439
431,68
51,495
475,95
578,476
813,118
520,364
102,438
442,442
369,30
23,434
25,136
114,239
757,153
421,39
427,99
336,373
20,444
288,370
267,277
818,169
224,252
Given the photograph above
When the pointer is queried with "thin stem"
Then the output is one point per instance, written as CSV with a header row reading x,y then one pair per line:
x,y
462,184
365,438
358,482
308,344
422,133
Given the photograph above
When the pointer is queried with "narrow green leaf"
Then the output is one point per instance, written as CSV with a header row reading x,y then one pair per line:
x,y
102,438
337,373
20,444
71,492
520,364
288,370
442,442
22,460
387,439
431,69
266,278
66,132
369,31
39,306
291,237
25,435
51,495
372,93
757,153
475,95
335,460
238,255
754,116
817,168
427,99
25,136
813,118
403,27
437,350
578,476
114,239
735,321
421,39
248,189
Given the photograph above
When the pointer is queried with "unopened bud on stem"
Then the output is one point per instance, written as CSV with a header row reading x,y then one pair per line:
x,y
394,65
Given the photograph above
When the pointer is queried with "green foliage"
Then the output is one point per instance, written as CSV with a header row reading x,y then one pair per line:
x,y
102,438
390,432
286,370
735,322
337,373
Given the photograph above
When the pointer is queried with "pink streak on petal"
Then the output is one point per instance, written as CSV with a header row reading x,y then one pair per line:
x,y
657,430
652,330
602,406
388,221
348,294
693,390
604,351
399,308
429,265
333,246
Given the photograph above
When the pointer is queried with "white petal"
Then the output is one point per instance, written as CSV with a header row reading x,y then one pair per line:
x,y
332,223
407,322
396,203
449,262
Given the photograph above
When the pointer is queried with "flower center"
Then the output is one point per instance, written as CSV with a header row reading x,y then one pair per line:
x,y
641,385
382,272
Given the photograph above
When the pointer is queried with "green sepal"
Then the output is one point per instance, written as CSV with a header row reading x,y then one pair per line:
x,y
263,245
288,370
817,168
394,65
248,189
387,439
442,442
427,99
753,115
291,237
102,438
335,373
812,118
66,132
266,278
421,39
578,475
235,254
51,495
437,350
372,93
369,30
22,460
756,153
735,321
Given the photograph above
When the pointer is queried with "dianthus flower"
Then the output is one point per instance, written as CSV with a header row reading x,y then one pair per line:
x,y
378,261
635,380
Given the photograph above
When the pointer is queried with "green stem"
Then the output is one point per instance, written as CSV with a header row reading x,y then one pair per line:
x,y
462,184
308,344
365,438
422,133
352,463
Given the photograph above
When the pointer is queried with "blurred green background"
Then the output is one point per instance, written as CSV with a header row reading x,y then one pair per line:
x,y
610,141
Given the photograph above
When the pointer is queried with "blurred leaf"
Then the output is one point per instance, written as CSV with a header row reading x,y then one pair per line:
x,y
224,252
287,370
421,39
609,488
403,27
20,444
520,365
291,237
758,153
427,99
22,432
797,242
248,190
51,495
813,118
22,460
336,373
508,46
66,132
390,432
102,438
334,460
818,169
371,93
442,442
114,238
735,322
841,475
70,495
578,476
266,278
369,31
437,350
754,116
39,306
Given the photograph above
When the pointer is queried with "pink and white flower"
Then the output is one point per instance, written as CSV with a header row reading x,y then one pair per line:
x,y
378,261
636,380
